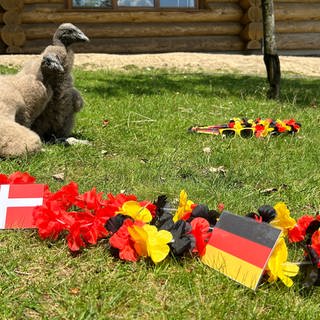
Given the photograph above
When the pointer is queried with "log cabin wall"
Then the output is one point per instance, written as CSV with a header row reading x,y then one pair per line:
x,y
297,25
27,26
215,27
2,44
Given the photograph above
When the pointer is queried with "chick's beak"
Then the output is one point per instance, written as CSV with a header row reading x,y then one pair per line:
x,y
53,63
82,37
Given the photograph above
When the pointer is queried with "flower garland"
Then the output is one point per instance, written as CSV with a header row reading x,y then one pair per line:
x,y
306,233
263,127
246,128
140,229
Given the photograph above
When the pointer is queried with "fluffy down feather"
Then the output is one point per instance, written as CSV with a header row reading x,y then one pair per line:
x,y
23,98
57,119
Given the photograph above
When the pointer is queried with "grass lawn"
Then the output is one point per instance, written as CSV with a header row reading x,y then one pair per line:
x,y
146,150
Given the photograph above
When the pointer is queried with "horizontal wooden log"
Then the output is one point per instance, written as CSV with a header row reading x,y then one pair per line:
x,y
219,1
3,47
252,31
43,1
11,4
298,41
296,1
286,12
228,13
253,45
13,35
119,30
44,7
297,11
150,45
12,17
298,26
253,14
246,4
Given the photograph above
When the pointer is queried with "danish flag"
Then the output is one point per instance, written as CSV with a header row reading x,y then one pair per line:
x,y
17,202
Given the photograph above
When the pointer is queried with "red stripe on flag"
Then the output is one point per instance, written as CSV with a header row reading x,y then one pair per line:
x,y
26,191
239,247
21,217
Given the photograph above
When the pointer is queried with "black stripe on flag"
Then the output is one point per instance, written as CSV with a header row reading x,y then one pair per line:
x,y
248,228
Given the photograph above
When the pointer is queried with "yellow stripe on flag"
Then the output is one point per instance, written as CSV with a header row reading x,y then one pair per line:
x,y
233,267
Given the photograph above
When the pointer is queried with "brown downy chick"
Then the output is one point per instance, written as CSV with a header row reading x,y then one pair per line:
x,y
36,87
57,120
16,102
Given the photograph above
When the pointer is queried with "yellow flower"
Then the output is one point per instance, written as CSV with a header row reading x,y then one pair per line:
x,y
283,124
283,219
184,206
149,242
238,125
279,267
134,210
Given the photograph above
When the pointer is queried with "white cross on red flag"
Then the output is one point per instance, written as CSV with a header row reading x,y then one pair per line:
x,y
17,202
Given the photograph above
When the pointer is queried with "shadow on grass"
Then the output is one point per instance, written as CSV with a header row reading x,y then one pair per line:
x,y
299,91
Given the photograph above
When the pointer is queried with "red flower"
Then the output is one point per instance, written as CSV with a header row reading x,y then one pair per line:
x,y
315,243
51,220
201,232
17,178
293,124
298,232
280,127
114,203
92,226
74,238
231,124
122,241
90,200
66,196
259,130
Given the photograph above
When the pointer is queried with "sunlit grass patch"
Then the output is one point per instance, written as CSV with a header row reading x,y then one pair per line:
x,y
144,148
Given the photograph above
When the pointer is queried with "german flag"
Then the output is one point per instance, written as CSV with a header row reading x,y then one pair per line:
x,y
240,248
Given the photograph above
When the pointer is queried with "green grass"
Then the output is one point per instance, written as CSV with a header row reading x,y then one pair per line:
x,y
146,150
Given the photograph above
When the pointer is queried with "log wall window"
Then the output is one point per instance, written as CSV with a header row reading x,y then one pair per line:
x,y
119,4
92,3
177,4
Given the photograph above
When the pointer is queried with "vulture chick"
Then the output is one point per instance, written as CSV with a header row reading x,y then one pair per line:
x,y
22,96
57,119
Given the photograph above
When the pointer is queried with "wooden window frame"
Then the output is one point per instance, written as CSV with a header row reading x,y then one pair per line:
x,y
69,6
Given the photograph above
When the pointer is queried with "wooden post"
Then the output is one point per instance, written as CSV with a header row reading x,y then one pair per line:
x,y
12,33
270,55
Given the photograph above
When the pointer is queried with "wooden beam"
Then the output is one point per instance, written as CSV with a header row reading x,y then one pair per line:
x,y
150,45
12,17
43,1
13,35
230,13
296,1
219,1
246,4
298,41
11,4
297,11
252,31
44,7
253,14
130,30
312,26
226,11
